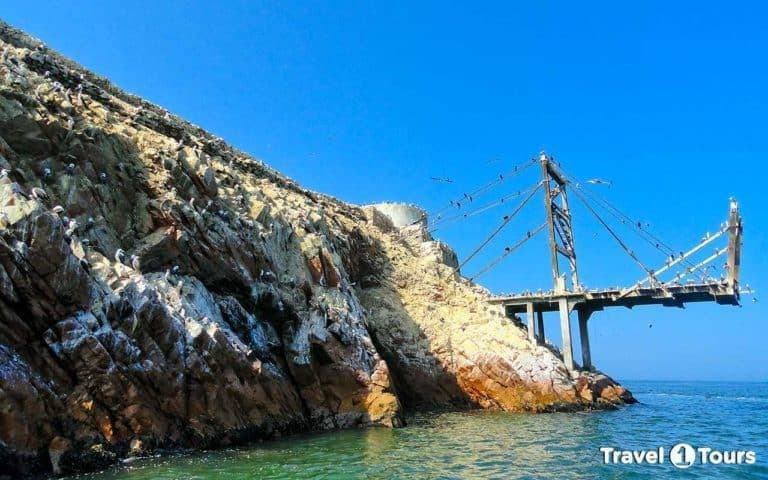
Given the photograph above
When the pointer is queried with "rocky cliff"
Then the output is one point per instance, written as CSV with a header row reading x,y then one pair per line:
x,y
160,289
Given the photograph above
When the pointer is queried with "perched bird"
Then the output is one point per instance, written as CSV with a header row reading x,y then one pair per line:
x,y
135,262
70,168
58,209
38,193
71,228
119,255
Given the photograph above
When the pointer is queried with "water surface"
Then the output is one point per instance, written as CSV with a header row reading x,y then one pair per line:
x,y
725,416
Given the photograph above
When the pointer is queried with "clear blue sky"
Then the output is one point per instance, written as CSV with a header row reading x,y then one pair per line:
x,y
366,101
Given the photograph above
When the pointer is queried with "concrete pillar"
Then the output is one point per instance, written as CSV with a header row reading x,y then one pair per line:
x,y
586,355
540,327
565,327
531,323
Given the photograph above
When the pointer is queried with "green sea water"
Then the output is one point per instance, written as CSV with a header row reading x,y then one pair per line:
x,y
722,416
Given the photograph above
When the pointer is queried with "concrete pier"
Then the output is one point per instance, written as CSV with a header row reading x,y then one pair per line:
x,y
586,356
531,323
565,327
540,324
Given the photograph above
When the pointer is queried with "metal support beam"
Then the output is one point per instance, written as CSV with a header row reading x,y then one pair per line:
x,y
559,224
550,220
531,323
734,245
586,355
565,327
540,322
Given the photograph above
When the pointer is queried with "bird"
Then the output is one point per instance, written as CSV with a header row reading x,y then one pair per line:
x,y
441,179
135,262
650,325
47,173
71,228
598,181
119,254
103,177
58,209
38,193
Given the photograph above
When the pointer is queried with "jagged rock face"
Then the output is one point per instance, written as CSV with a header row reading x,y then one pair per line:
x,y
159,288
447,345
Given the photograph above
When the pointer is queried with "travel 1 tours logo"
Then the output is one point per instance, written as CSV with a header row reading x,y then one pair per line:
x,y
681,455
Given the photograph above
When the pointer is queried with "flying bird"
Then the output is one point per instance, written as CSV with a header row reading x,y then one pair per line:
x,y
599,181
441,179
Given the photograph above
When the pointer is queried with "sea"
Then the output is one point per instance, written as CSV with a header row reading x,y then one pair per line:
x,y
716,420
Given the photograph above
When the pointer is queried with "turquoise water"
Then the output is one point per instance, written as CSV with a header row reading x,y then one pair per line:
x,y
724,416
